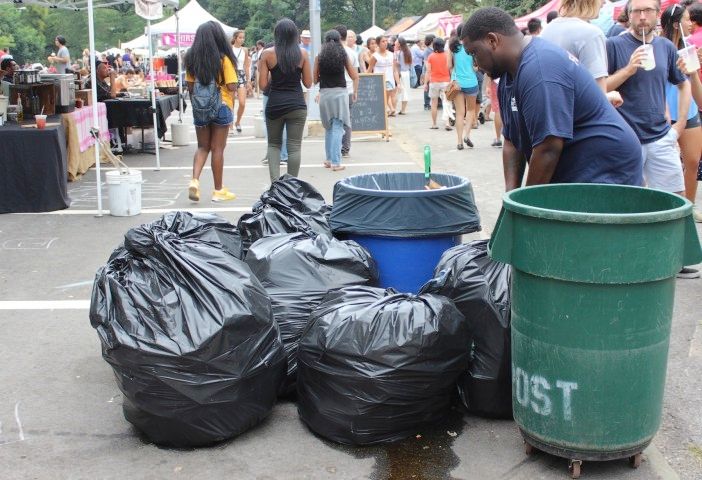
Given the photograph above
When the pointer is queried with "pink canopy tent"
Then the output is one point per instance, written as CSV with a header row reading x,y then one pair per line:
x,y
540,13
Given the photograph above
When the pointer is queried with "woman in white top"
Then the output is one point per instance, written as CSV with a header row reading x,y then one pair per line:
x,y
243,65
403,65
383,61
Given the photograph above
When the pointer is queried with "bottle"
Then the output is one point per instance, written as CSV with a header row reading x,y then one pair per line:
x,y
427,163
20,112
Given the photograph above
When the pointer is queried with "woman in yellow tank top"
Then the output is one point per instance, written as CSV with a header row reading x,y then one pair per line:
x,y
211,59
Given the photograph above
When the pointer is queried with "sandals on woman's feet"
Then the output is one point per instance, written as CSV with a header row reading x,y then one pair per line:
x,y
459,146
434,127
336,168
327,164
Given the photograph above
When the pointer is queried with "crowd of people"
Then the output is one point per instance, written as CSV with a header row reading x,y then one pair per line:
x,y
574,103
578,107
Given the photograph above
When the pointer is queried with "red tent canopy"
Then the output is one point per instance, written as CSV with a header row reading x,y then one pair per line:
x,y
540,13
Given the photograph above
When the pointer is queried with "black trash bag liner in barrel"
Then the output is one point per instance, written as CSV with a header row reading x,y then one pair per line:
x,y
375,366
397,205
290,205
298,270
205,227
480,288
190,334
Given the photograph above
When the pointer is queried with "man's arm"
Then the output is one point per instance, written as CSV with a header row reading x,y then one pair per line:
x,y
543,161
615,80
514,164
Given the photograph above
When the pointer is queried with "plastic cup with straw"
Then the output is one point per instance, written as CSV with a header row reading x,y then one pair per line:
x,y
649,61
689,55
40,120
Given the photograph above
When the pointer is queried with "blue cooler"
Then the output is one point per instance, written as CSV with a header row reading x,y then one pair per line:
x,y
405,227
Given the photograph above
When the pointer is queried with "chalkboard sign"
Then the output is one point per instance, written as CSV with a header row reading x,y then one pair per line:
x,y
369,114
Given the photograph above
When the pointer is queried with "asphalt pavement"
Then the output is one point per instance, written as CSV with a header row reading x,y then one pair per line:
x,y
61,411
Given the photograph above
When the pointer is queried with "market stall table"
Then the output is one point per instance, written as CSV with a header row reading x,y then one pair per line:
x,y
33,168
136,112
80,143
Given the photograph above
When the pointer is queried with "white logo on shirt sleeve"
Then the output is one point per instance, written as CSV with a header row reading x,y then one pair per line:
x,y
513,103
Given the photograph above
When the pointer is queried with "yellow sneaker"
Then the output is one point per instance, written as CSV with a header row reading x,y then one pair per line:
x,y
194,190
223,195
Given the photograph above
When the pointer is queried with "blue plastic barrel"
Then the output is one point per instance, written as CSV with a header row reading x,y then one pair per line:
x,y
405,227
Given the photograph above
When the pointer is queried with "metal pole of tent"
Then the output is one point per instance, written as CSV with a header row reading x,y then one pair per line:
x,y
153,94
316,32
180,73
93,93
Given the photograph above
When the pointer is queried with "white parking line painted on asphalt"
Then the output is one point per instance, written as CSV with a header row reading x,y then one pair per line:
x,y
159,211
44,305
254,167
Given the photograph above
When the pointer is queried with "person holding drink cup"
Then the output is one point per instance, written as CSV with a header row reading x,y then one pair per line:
x,y
640,66
676,24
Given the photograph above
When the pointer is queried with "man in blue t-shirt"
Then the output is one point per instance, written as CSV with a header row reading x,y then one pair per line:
x,y
554,114
643,91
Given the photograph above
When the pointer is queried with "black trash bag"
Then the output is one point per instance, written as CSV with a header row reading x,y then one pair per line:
x,y
290,205
480,288
397,204
297,270
375,366
190,335
205,227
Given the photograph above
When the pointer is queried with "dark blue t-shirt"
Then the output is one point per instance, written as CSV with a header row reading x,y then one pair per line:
x,y
644,92
552,95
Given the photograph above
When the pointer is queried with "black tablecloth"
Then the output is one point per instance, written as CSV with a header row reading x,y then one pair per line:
x,y
132,112
33,169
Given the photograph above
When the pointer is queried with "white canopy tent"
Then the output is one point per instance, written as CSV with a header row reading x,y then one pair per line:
x,y
90,5
189,18
372,32
141,42
427,25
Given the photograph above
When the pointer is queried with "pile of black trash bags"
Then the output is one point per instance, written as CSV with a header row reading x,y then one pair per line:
x,y
206,324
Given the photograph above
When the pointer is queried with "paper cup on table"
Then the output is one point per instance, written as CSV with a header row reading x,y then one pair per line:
x,y
649,61
41,121
689,56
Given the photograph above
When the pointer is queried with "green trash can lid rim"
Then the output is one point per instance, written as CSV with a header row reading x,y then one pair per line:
x,y
682,211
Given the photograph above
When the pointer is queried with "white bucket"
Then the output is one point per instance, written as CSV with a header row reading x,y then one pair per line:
x,y
124,192
259,127
180,134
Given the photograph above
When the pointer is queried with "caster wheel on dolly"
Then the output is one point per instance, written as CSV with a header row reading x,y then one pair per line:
x,y
574,468
529,448
635,461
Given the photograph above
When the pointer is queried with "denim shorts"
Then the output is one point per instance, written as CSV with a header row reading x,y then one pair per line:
x,y
470,91
224,117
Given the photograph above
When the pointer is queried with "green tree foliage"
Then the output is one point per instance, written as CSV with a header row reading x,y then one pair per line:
x,y
18,32
519,7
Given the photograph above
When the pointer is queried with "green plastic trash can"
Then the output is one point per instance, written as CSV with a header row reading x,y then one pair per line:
x,y
593,285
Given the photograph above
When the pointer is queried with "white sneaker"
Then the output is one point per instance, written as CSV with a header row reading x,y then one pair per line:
x,y
696,215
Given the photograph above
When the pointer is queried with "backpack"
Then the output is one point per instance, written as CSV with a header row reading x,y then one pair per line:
x,y
205,100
